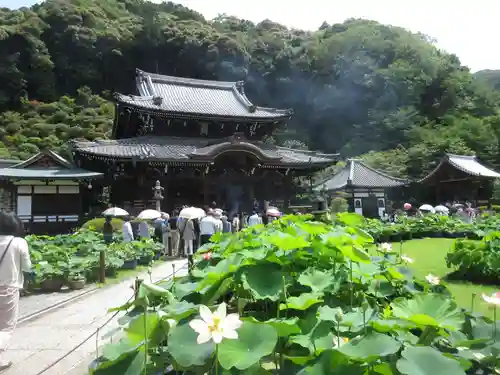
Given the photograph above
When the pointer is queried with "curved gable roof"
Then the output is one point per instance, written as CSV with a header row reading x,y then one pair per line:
x,y
357,174
468,164
197,97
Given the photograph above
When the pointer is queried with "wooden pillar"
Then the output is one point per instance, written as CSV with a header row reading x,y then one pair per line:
x,y
287,188
166,201
205,190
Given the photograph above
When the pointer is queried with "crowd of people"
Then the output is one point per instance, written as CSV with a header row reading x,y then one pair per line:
x,y
464,211
182,236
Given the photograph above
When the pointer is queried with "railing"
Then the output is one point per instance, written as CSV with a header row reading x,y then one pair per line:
x,y
98,330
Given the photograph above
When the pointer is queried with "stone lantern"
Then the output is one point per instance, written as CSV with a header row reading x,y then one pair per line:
x,y
158,195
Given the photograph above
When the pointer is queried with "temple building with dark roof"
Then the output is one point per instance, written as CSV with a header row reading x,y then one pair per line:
x,y
46,191
203,140
459,178
366,188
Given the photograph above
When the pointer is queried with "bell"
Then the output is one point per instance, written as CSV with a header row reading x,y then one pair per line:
x,y
319,206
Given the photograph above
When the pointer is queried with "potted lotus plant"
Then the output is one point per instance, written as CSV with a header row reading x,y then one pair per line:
x,y
76,279
50,277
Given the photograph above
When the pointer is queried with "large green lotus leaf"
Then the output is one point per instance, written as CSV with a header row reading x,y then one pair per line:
x,y
286,242
365,269
355,254
396,273
112,352
255,254
353,321
351,219
381,369
284,327
212,274
327,313
129,363
427,309
313,228
211,295
425,360
147,326
254,342
317,339
482,329
299,360
362,237
381,288
185,350
371,346
181,290
302,302
332,363
180,310
147,289
389,325
316,279
264,281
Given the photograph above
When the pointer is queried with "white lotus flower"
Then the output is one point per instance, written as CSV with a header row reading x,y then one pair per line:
x,y
406,259
215,326
385,247
434,280
494,299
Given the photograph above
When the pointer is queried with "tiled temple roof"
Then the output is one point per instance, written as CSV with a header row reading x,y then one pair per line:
x,y
467,164
46,165
199,150
198,98
358,174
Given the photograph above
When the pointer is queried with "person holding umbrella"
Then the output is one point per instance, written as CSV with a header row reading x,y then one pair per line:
x,y
107,230
127,232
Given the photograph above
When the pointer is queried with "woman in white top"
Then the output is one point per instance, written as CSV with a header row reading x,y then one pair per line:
x,y
14,261
128,234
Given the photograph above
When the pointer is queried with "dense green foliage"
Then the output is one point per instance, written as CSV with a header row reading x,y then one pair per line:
x,y
433,225
64,258
311,300
358,87
476,261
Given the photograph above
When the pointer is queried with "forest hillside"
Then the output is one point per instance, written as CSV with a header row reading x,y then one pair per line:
x,y
358,88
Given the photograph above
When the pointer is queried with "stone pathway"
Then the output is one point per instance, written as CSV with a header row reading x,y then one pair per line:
x,y
34,303
38,343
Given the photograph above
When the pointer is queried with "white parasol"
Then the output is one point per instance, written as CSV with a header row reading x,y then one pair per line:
x,y
442,209
426,207
149,215
273,211
192,213
115,211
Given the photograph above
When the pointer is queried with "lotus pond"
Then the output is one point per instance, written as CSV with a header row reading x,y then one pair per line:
x,y
301,296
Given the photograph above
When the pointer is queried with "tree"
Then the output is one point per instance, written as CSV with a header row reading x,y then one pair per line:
x,y
358,88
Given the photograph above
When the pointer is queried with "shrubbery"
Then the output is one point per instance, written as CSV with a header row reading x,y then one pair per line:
x,y
477,261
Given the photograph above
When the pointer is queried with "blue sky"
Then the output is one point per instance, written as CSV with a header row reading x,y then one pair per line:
x,y
467,28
